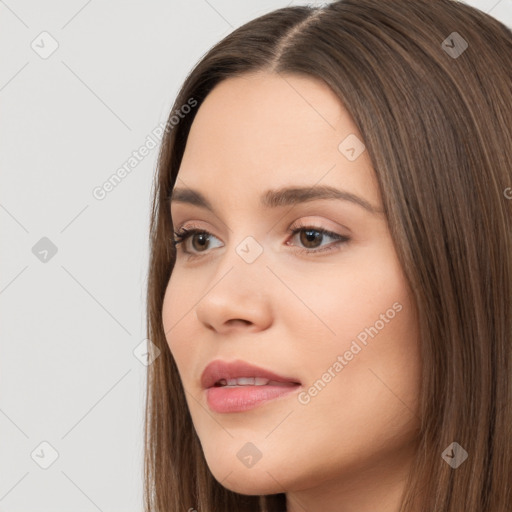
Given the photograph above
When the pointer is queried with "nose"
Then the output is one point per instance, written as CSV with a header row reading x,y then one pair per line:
x,y
237,300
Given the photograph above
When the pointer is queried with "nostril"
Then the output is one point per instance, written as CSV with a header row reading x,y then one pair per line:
x,y
239,320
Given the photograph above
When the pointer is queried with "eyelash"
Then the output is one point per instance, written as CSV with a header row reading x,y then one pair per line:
x,y
183,234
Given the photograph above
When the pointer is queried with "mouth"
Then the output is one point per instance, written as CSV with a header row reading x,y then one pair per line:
x,y
250,381
241,373
238,386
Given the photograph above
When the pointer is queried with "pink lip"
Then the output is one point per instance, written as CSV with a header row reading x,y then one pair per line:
x,y
238,399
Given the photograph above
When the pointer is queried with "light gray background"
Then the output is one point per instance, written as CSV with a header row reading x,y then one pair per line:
x,y
69,376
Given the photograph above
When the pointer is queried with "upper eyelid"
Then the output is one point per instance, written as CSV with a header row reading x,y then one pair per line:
x,y
299,221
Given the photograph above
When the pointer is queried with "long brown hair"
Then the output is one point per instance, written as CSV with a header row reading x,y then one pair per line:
x,y
429,86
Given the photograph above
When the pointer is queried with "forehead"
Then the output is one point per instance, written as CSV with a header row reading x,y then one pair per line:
x,y
263,131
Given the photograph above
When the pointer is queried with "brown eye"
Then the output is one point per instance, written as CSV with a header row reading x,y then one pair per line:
x,y
310,237
202,240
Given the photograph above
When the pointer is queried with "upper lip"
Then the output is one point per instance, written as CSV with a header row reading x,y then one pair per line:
x,y
217,370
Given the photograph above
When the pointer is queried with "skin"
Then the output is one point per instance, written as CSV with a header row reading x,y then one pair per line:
x,y
350,446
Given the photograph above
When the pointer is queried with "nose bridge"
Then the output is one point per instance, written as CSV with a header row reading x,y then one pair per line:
x,y
246,246
250,250
245,260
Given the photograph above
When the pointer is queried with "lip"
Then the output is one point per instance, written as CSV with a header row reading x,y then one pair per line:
x,y
218,370
242,398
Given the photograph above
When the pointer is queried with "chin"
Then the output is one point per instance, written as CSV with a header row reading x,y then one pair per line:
x,y
252,486
249,481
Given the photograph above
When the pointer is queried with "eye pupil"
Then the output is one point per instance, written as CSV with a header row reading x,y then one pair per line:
x,y
204,242
311,235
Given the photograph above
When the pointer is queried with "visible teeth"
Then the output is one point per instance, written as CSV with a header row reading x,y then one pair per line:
x,y
244,381
252,381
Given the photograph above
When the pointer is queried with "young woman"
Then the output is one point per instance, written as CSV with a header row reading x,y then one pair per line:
x,y
330,279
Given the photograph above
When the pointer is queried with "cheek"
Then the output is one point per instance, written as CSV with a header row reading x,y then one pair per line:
x,y
338,301
373,334
366,386
363,380
180,298
176,315
170,313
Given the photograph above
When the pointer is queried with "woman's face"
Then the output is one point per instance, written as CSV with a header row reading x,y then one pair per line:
x,y
339,319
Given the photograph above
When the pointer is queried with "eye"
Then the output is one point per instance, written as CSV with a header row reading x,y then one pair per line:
x,y
310,237
202,239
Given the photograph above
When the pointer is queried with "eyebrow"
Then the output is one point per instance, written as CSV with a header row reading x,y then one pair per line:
x,y
279,197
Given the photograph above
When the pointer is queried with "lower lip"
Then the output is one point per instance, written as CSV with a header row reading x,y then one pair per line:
x,y
243,398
